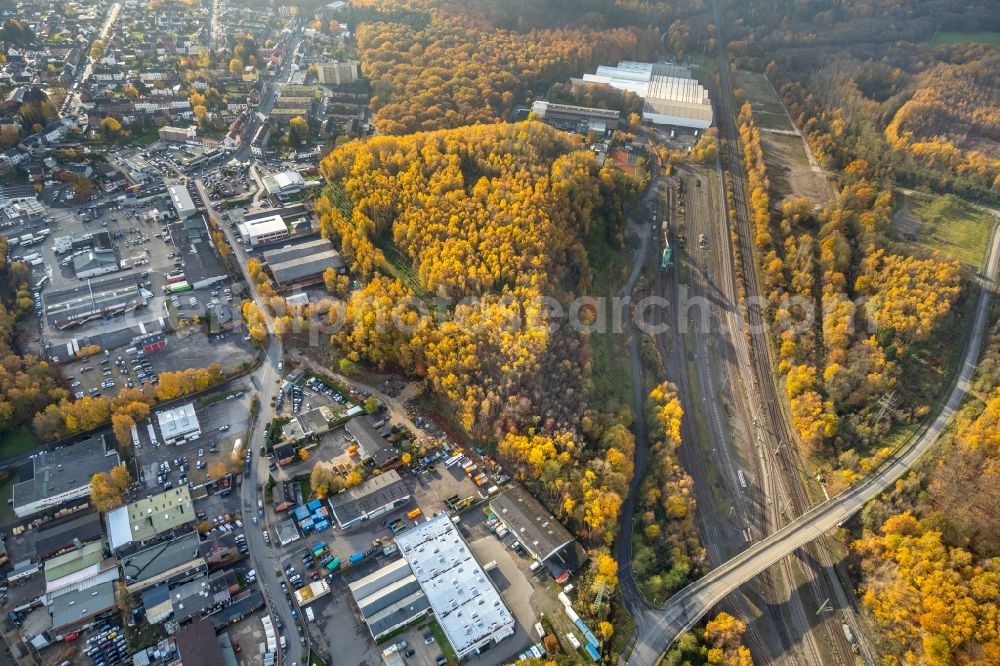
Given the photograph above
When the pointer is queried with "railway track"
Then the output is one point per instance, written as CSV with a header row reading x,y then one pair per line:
x,y
777,451
672,351
715,288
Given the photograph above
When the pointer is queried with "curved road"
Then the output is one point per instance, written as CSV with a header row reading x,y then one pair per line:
x,y
623,546
657,628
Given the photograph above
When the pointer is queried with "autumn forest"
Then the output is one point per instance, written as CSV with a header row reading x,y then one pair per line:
x,y
466,224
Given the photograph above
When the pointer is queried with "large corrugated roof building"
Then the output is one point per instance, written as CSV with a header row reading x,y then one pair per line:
x,y
389,598
379,494
303,263
671,96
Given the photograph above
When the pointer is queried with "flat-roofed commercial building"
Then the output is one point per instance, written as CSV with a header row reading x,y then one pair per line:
x,y
671,96
73,610
182,201
284,183
542,535
389,598
95,262
61,476
568,116
147,518
79,569
202,267
337,73
168,133
59,535
200,596
77,306
198,645
179,424
265,230
379,494
287,532
173,562
465,602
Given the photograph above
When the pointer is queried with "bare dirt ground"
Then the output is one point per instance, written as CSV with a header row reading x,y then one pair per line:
x,y
790,165
789,170
905,223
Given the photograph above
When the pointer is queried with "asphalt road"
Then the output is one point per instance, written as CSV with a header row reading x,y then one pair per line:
x,y
657,628
623,546
263,556
266,381
71,98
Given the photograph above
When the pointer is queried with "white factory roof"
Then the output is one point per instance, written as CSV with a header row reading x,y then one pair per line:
x,y
178,421
466,604
284,181
182,200
671,95
265,225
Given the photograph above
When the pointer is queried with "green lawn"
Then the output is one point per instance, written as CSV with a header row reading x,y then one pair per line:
x,y
7,492
945,38
442,642
152,136
952,227
705,68
768,111
610,376
17,441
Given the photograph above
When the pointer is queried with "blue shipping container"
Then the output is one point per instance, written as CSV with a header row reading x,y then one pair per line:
x,y
315,504
592,652
587,633
357,557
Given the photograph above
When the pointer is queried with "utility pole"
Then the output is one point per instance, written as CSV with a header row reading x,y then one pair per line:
x,y
885,403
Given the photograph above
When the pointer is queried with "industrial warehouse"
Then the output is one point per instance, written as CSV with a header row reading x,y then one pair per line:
x,y
202,267
464,600
183,203
376,496
541,535
570,117
303,264
389,598
671,96
178,424
263,230
79,305
146,518
284,184
63,475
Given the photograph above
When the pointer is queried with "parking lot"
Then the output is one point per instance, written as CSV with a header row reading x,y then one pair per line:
x,y
222,422
109,371
334,633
